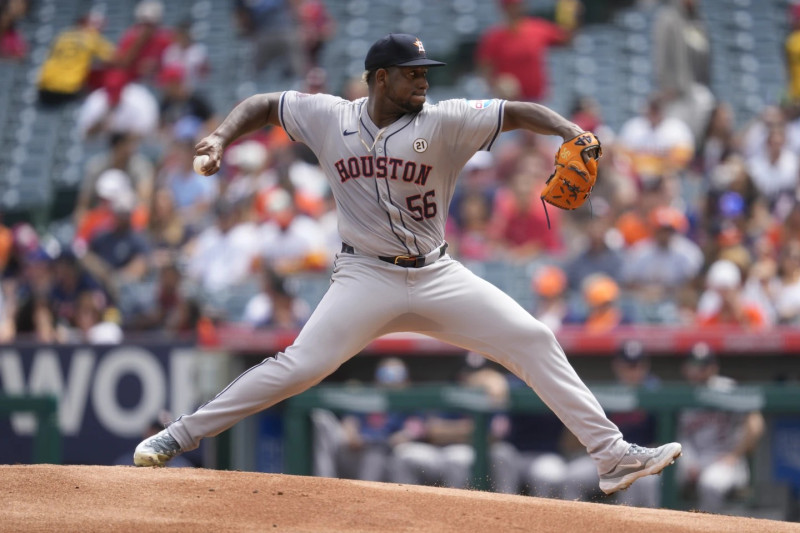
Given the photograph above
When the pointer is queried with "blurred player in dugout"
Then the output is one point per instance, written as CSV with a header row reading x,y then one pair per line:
x,y
360,445
548,460
430,448
716,443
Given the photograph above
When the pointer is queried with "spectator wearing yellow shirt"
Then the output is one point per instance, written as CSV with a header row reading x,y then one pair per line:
x,y
792,50
67,68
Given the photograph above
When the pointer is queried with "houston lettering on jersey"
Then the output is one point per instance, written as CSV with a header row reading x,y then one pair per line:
x,y
383,167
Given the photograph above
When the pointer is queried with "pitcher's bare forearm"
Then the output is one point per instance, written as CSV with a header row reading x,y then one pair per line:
x,y
538,119
250,115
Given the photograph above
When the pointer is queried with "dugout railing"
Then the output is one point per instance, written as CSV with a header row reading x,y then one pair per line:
x,y
664,402
47,438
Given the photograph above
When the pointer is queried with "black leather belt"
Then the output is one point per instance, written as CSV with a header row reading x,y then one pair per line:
x,y
407,261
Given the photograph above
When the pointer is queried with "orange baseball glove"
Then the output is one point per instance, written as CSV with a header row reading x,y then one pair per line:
x,y
576,172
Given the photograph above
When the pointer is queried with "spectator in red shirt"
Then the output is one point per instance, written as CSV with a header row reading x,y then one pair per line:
x,y
316,28
512,56
12,43
142,45
518,220
723,302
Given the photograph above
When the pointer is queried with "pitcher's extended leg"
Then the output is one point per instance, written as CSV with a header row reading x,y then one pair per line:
x,y
359,302
470,312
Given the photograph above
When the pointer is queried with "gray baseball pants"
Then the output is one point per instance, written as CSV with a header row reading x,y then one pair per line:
x,y
369,298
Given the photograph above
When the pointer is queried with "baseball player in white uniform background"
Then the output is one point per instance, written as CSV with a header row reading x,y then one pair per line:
x,y
392,161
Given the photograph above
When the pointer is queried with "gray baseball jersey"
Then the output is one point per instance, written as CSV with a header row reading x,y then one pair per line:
x,y
393,185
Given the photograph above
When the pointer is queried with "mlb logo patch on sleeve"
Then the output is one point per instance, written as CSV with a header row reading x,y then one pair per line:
x,y
480,104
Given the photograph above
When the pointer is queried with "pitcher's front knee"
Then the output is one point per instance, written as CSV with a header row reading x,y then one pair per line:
x,y
302,371
538,334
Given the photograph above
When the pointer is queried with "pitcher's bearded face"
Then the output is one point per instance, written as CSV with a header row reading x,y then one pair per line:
x,y
407,87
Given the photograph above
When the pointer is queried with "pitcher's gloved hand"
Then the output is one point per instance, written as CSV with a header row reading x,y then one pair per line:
x,y
576,172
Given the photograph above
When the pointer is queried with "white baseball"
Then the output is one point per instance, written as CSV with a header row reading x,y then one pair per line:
x,y
199,162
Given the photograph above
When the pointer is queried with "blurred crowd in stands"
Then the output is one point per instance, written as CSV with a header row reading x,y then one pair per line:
x,y
694,221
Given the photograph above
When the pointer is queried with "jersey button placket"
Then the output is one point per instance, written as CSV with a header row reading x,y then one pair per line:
x,y
384,196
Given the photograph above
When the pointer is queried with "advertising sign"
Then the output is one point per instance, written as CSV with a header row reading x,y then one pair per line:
x,y
108,396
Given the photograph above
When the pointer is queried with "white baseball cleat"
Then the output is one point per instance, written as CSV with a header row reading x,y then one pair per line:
x,y
639,462
156,450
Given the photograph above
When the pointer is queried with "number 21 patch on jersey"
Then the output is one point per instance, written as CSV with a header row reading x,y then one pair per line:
x,y
480,104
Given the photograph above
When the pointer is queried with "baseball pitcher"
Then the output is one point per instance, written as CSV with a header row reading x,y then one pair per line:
x,y
392,161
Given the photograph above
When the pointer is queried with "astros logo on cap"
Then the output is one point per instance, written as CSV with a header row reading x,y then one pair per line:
x,y
419,45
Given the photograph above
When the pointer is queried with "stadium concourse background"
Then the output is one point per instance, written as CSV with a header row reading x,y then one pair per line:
x,y
111,392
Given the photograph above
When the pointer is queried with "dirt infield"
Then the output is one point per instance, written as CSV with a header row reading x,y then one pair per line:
x,y
119,498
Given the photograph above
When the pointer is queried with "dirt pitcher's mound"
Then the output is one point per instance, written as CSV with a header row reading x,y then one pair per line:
x,y
119,498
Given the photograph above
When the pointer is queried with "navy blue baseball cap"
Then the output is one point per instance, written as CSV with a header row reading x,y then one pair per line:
x,y
398,50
